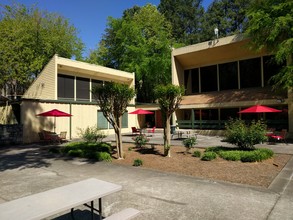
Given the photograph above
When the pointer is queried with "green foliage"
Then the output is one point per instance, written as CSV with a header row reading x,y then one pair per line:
x,y
29,38
139,42
141,140
113,98
256,155
75,153
229,16
92,134
189,143
234,154
270,26
103,156
208,156
231,155
197,153
96,151
137,162
169,97
185,17
245,136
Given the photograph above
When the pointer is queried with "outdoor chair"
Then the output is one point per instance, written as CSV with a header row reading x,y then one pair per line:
x,y
280,137
135,131
152,130
62,136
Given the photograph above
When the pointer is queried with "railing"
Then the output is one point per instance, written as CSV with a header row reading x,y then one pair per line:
x,y
220,124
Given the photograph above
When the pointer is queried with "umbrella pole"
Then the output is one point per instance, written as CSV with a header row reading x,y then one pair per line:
x,y
54,124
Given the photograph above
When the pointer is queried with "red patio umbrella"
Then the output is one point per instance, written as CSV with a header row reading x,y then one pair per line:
x,y
259,109
141,112
54,113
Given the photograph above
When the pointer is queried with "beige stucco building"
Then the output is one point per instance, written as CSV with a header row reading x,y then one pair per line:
x,y
66,84
223,76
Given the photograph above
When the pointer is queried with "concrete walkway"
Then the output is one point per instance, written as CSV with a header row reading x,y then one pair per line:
x,y
26,170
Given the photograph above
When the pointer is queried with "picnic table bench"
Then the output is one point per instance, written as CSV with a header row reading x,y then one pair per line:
x,y
54,201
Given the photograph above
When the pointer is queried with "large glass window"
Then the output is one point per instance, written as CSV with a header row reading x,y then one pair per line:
x,y
250,73
227,113
228,74
104,124
208,77
82,89
65,87
194,81
186,77
270,68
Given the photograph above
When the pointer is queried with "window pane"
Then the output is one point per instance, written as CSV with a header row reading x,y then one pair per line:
x,y
227,113
194,81
102,121
82,89
208,77
250,73
228,74
270,68
125,120
65,87
186,77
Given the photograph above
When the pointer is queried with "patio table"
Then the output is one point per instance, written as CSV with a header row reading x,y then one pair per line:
x,y
54,201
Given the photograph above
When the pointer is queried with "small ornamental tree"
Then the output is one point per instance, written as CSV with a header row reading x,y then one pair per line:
x,y
169,97
113,99
245,136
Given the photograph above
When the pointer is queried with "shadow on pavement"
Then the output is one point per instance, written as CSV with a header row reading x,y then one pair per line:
x,y
78,215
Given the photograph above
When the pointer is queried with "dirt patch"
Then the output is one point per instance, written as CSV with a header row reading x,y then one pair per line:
x,y
256,174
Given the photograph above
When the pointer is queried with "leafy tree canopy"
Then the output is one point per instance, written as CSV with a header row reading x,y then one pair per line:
x,y
185,17
28,40
270,27
113,98
139,42
229,16
169,97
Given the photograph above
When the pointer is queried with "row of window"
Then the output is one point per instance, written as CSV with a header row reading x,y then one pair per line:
x,y
248,73
75,88
104,124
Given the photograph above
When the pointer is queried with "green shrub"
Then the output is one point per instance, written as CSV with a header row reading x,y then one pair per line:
x,y
189,143
197,153
130,149
103,156
245,136
140,140
256,155
86,149
230,155
75,153
137,162
92,134
208,156
216,149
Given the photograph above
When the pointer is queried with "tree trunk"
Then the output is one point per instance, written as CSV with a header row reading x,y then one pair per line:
x,y
119,140
167,138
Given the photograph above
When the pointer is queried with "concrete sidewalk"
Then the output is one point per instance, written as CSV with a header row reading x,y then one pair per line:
x,y
26,170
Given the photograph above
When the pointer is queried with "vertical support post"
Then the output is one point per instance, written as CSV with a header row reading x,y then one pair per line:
x,y
100,208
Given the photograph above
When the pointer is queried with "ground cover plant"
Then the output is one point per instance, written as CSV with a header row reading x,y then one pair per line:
x,y
96,151
236,154
255,173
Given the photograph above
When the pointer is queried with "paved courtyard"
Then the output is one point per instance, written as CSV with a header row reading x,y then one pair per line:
x,y
25,170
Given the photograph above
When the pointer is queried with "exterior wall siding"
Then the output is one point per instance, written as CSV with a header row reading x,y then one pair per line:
x,y
83,116
44,86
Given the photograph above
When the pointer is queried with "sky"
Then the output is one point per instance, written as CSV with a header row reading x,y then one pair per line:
x,y
88,16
